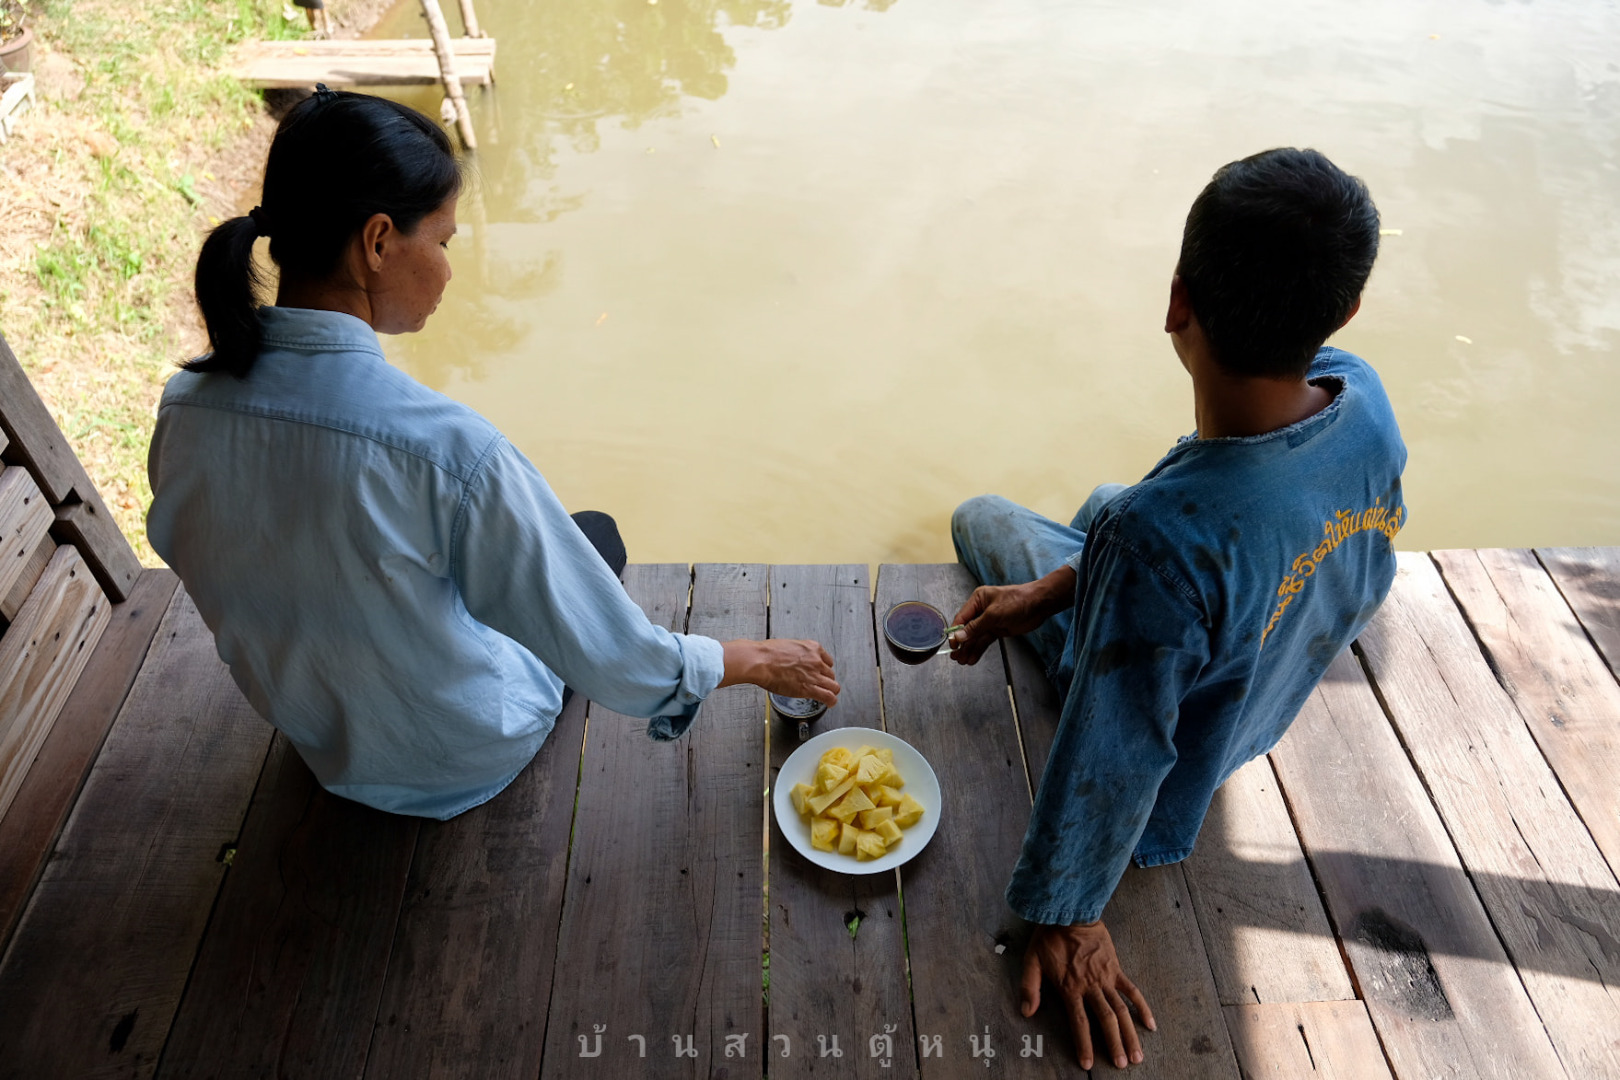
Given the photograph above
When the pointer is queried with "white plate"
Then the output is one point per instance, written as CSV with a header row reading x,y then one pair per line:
x,y
800,768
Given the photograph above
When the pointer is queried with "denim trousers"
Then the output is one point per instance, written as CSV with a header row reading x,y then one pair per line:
x,y
1002,543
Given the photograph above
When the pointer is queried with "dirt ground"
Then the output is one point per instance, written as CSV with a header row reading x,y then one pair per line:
x,y
139,144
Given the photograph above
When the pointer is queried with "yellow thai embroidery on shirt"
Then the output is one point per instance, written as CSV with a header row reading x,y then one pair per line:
x,y
1345,524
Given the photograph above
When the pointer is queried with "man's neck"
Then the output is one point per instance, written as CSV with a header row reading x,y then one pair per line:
x,y
1226,405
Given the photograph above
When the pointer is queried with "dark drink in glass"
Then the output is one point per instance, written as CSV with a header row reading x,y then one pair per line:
x,y
915,631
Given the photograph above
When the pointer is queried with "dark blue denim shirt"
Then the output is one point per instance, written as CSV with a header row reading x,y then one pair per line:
x,y
1211,597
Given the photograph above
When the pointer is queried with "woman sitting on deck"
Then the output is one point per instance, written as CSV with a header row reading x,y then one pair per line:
x,y
394,585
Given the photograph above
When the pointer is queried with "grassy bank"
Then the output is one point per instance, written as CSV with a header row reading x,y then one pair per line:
x,y
141,141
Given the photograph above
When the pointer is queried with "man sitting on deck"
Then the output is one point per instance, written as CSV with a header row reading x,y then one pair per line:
x,y
1186,618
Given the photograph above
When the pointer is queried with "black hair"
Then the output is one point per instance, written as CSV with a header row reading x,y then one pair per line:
x,y
1275,254
337,159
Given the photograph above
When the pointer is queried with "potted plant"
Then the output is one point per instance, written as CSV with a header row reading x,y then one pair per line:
x,y
15,37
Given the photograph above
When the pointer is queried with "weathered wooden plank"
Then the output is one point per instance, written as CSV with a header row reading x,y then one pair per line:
x,y
13,601
291,969
966,945
82,519
1263,925
1441,992
362,63
25,517
35,440
469,982
662,925
41,655
85,523
824,980
1589,578
30,827
1324,1040
1552,898
110,933
1151,919
1559,683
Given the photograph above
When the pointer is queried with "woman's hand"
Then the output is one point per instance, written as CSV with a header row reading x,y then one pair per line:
x,y
998,611
800,669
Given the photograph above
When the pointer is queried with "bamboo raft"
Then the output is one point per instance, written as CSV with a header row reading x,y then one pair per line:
x,y
1420,880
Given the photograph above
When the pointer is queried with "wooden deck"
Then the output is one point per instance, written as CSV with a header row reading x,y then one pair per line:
x,y
1419,882
343,65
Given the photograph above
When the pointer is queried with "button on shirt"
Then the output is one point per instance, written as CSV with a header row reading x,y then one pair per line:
x,y
393,585
1211,597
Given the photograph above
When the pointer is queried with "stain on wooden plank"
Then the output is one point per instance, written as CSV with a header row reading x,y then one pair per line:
x,y
1323,1040
1264,929
41,655
1589,578
291,969
1558,681
966,945
662,927
469,981
1150,918
25,517
30,827
825,979
106,942
33,567
1553,900
1441,992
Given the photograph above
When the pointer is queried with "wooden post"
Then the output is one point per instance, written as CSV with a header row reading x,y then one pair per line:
x,y
447,71
469,19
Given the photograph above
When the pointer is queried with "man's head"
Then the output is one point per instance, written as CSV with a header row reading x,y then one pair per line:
x,y
1274,256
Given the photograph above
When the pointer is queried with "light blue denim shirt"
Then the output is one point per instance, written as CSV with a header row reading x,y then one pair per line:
x,y
1211,597
393,585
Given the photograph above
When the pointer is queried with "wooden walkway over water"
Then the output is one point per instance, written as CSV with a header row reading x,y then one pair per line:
x,y
1419,882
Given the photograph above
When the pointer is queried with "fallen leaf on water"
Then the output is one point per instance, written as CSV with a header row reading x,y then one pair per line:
x,y
602,318
1389,232
300,52
1465,340
716,140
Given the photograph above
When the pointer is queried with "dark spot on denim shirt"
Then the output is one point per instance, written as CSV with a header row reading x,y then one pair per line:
x,y
1211,561
1112,657
1322,649
1234,534
1239,693
1189,508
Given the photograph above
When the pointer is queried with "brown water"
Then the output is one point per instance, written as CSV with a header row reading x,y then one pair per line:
x,y
786,281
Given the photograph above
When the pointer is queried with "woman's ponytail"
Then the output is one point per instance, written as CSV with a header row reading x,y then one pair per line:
x,y
227,287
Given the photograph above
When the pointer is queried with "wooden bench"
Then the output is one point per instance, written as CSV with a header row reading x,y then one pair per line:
x,y
1418,881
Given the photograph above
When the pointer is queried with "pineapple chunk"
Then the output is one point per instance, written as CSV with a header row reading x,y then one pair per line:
x,y
824,835
869,845
868,769
848,838
890,777
819,803
870,818
843,811
888,796
840,756
857,801
800,793
873,792
889,831
908,813
829,776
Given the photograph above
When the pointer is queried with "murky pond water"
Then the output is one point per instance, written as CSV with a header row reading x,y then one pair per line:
x,y
786,281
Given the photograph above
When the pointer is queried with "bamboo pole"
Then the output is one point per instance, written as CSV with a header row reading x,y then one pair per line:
x,y
447,71
469,19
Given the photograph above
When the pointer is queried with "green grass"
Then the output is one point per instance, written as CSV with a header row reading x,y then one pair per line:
x,y
95,313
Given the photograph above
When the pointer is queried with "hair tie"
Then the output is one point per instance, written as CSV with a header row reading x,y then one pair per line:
x,y
261,220
324,93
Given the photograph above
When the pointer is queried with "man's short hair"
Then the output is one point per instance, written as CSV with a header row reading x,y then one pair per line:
x,y
1276,251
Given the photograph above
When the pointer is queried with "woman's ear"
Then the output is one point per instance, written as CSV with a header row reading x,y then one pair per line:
x,y
375,236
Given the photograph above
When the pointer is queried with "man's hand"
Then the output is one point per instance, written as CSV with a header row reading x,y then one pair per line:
x,y
1080,961
800,669
998,611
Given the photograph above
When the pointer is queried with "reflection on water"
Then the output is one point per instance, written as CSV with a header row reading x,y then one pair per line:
x,y
786,281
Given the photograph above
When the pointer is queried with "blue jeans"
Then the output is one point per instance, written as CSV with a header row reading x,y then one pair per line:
x,y
1002,543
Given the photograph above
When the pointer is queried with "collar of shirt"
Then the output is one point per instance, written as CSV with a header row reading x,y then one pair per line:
x,y
316,329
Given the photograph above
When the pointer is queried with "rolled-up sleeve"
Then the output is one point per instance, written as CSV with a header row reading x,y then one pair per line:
x,y
1140,644
525,570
